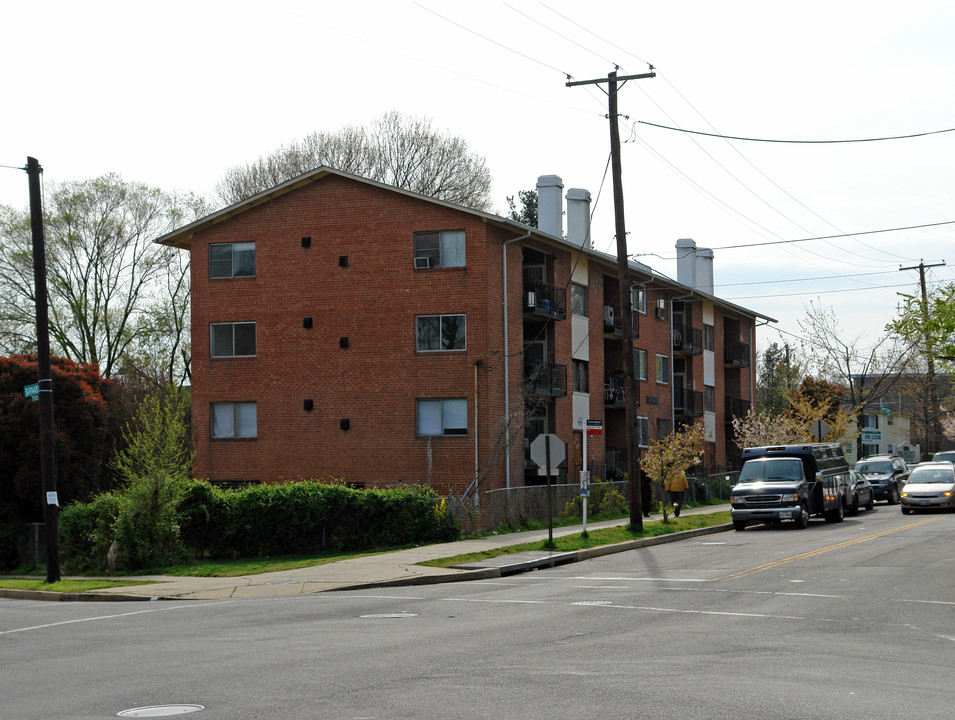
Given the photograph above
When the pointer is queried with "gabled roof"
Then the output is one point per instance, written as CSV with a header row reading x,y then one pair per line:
x,y
182,237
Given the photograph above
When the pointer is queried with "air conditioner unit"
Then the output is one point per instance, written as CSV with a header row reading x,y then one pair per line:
x,y
608,316
530,299
422,263
661,313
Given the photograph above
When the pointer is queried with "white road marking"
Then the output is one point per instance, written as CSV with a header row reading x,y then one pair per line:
x,y
111,617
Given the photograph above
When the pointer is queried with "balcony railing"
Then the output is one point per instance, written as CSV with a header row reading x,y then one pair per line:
x,y
687,339
545,300
613,391
613,324
736,354
546,379
688,402
734,407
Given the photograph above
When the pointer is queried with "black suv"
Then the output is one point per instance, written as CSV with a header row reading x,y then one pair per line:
x,y
886,473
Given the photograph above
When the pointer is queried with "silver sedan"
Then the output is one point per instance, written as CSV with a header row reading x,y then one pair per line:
x,y
931,485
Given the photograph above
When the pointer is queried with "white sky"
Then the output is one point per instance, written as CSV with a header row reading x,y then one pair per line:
x,y
174,93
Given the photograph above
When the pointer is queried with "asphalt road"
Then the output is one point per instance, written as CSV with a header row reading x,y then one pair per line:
x,y
850,620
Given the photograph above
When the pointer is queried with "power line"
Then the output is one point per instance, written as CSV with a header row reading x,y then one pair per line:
x,y
797,142
830,237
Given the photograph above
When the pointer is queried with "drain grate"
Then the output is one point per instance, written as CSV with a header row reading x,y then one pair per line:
x,y
160,711
391,615
593,602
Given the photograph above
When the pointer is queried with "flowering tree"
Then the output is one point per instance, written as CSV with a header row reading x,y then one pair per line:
x,y
676,453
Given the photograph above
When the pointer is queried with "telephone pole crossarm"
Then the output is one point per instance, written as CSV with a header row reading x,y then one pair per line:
x,y
621,78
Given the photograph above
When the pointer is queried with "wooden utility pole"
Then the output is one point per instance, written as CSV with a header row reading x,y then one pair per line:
x,y
630,388
47,449
934,428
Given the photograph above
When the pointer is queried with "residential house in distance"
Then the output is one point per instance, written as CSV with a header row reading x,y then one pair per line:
x,y
343,328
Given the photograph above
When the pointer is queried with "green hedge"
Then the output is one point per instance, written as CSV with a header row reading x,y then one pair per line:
x,y
263,520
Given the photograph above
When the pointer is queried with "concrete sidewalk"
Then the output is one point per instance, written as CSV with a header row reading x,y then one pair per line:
x,y
397,568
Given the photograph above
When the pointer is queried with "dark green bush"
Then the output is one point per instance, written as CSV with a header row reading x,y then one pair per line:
x,y
86,532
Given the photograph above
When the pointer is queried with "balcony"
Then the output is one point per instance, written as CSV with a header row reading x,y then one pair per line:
x,y
548,379
736,354
613,325
688,403
613,392
734,407
543,300
687,339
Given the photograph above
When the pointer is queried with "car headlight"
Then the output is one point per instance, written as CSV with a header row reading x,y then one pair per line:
x,y
905,494
789,497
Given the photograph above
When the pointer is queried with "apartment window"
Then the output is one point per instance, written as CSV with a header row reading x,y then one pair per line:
x,y
708,342
232,339
870,421
443,417
579,372
578,299
663,369
230,260
233,420
643,431
439,249
638,298
661,308
663,428
709,398
640,364
440,332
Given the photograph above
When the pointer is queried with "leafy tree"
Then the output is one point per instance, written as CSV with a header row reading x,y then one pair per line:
x,y
677,452
528,212
86,411
821,400
930,326
154,467
403,151
112,290
778,376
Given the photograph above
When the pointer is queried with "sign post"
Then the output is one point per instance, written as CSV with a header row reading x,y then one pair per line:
x,y
548,450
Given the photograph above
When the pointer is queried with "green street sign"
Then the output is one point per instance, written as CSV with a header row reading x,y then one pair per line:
x,y
32,391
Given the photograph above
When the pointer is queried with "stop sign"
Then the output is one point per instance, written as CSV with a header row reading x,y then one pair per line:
x,y
558,451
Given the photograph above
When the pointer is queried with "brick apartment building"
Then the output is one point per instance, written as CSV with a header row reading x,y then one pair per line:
x,y
343,328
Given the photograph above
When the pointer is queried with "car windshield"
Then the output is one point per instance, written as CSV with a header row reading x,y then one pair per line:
x,y
876,466
775,470
932,476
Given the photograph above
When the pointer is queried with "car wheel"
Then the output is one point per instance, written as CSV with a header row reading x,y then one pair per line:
x,y
906,510
854,508
739,525
802,522
837,514
893,496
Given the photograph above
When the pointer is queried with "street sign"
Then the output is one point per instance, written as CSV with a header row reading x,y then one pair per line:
x,y
595,427
32,391
558,451
819,430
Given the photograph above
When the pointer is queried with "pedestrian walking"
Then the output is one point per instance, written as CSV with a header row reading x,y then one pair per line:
x,y
676,486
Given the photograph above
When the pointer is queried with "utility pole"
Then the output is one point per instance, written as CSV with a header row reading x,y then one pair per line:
x,y
47,449
933,429
630,388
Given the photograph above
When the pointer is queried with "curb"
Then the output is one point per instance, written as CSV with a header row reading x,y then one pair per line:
x,y
50,596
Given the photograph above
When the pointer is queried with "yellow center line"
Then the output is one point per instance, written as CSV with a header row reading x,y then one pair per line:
x,y
820,551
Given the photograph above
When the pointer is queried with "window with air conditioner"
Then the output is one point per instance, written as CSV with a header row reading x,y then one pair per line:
x,y
440,249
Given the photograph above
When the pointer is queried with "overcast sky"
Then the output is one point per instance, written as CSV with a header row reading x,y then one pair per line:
x,y
174,93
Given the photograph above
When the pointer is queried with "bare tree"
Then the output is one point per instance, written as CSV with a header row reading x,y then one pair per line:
x,y
867,374
403,151
111,287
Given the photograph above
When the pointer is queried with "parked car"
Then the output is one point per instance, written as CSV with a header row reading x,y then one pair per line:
x,y
860,493
931,485
886,473
944,456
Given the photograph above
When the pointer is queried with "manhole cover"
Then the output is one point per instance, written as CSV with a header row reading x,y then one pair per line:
x,y
160,711
391,615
